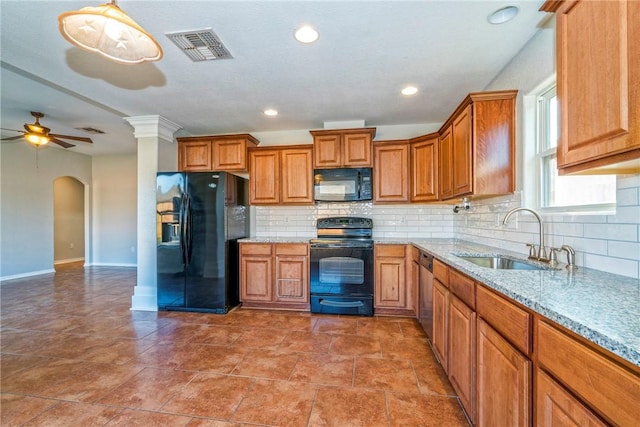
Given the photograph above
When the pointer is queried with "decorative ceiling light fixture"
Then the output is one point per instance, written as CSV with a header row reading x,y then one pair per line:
x,y
107,30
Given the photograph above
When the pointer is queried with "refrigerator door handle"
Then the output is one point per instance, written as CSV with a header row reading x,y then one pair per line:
x,y
182,223
188,231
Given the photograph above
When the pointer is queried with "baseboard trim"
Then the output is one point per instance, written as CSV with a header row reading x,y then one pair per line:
x,y
110,264
68,261
23,275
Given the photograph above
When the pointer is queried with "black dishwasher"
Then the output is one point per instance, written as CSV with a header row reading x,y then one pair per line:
x,y
425,292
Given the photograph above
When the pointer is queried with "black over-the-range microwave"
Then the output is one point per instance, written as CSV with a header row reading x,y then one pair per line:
x,y
342,185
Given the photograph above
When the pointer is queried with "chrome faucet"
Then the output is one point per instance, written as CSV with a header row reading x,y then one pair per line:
x,y
541,254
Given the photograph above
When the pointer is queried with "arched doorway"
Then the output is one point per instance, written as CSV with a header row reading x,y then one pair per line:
x,y
68,222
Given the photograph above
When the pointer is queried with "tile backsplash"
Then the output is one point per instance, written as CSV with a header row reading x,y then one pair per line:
x,y
389,221
609,243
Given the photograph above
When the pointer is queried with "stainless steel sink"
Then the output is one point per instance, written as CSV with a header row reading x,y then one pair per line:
x,y
501,263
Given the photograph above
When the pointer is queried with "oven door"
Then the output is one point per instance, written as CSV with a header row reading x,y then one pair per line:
x,y
342,271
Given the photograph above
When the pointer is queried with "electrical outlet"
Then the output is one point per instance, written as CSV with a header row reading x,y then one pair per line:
x,y
70,245
133,249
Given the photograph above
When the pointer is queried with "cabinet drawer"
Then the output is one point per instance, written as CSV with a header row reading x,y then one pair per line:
x,y
396,251
255,249
608,388
292,249
463,287
441,272
511,321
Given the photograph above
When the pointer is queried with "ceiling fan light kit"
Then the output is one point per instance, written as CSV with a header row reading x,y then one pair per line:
x,y
39,135
107,30
37,139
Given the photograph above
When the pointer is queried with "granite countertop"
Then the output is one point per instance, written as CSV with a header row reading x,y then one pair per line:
x,y
604,308
274,239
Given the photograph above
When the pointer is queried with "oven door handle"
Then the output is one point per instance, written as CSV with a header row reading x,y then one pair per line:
x,y
338,246
341,303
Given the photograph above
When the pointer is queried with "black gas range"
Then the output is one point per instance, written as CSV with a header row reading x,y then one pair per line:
x,y
342,266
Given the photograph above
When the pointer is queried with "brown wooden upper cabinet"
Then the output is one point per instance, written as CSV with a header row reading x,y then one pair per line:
x,y
598,85
215,153
423,158
477,147
338,148
391,171
281,175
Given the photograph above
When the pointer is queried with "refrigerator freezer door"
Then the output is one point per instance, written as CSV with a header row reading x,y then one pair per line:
x,y
170,195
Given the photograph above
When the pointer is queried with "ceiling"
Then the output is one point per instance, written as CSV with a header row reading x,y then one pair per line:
x,y
367,52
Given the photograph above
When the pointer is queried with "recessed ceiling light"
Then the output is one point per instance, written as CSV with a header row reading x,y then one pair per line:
x,y
306,34
270,112
503,15
409,90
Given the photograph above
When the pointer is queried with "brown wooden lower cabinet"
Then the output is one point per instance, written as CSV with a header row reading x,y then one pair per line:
x,y
274,275
393,277
507,375
292,273
461,353
503,381
256,272
608,388
440,322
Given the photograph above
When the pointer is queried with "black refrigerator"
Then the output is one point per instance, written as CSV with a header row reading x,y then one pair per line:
x,y
200,217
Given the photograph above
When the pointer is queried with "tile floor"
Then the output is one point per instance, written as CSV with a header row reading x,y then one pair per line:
x,y
74,354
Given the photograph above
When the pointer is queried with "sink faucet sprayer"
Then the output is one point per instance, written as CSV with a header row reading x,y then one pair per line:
x,y
541,255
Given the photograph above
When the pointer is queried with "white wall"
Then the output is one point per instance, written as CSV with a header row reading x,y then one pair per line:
x,y
68,220
114,210
26,204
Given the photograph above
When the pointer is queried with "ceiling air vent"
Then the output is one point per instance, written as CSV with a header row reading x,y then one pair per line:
x,y
200,45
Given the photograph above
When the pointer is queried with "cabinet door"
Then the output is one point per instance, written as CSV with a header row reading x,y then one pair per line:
x,y
292,279
461,153
264,177
230,155
556,407
390,179
356,149
194,155
390,279
256,276
424,170
440,322
504,381
327,151
445,165
297,176
598,73
461,350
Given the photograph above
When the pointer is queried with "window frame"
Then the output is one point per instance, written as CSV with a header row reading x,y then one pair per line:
x,y
541,150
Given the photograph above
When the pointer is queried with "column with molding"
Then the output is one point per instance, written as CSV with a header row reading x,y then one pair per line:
x,y
154,135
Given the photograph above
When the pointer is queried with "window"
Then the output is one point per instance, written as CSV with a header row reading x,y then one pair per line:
x,y
565,193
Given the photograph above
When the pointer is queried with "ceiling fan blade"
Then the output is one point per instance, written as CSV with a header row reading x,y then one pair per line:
x,y
12,138
73,138
61,143
13,130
